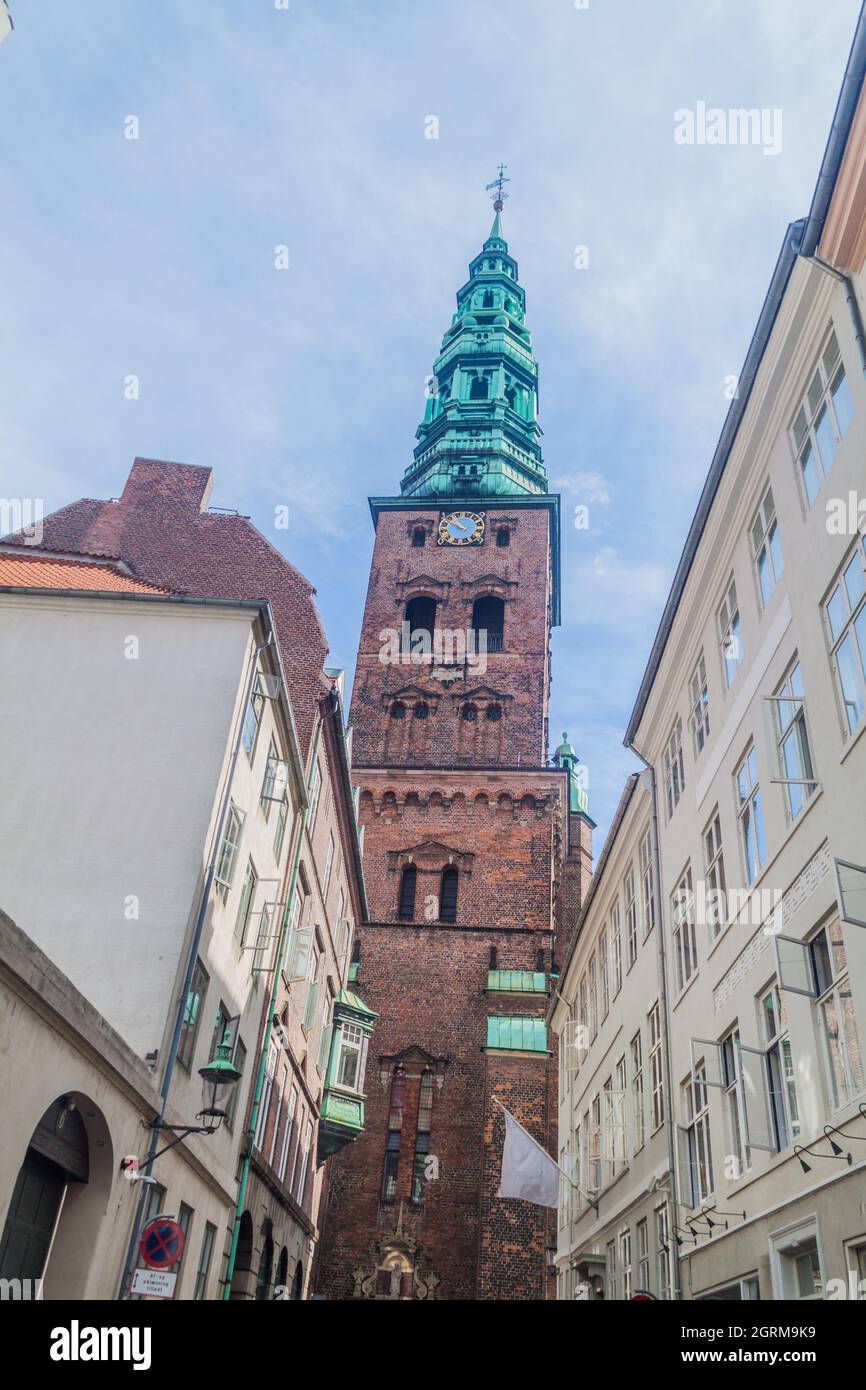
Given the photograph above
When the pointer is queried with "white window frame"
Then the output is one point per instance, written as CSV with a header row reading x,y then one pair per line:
x,y
714,874
789,724
827,373
750,813
648,883
637,1093
730,628
673,768
684,931
227,858
699,700
766,547
657,1079
628,890
847,637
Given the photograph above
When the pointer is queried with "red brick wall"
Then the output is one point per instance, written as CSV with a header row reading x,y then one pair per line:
x,y
519,674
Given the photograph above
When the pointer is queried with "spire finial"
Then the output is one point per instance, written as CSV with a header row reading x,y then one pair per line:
x,y
499,183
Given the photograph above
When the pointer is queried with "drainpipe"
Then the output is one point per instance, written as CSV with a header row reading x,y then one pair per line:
x,y
204,899
269,1021
663,999
850,299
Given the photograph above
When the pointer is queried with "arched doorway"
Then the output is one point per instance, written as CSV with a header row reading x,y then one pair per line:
x,y
282,1279
266,1264
242,1278
298,1283
59,1196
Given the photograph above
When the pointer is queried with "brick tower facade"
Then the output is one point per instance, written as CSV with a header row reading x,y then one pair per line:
x,y
477,848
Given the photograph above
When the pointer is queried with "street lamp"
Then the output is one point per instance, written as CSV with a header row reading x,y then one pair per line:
x,y
218,1081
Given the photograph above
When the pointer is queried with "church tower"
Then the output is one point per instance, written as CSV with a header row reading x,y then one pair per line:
x,y
477,848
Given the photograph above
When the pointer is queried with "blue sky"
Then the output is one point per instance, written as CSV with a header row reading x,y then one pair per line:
x,y
261,127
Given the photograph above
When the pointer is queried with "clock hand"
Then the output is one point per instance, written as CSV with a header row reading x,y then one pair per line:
x,y
460,526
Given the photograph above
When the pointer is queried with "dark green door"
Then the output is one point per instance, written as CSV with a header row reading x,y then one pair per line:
x,y
32,1214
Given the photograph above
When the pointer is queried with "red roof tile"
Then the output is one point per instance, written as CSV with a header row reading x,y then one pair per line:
x,y
49,572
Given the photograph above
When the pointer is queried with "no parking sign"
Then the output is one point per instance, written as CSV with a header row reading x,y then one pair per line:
x,y
162,1242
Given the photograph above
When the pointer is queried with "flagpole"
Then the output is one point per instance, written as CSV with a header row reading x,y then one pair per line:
x,y
567,1176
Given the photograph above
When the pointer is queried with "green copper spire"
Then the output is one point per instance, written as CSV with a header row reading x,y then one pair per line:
x,y
480,436
566,758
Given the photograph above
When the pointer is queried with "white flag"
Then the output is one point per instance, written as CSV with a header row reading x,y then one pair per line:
x,y
527,1171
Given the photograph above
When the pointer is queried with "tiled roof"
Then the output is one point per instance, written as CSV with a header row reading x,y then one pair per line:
x,y
50,572
162,530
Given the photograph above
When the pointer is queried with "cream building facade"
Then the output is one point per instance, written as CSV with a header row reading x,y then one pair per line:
x,y
751,719
153,859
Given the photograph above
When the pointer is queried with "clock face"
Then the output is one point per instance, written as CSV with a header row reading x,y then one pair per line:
x,y
461,528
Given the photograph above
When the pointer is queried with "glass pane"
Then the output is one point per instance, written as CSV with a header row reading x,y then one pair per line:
x,y
811,476
833,1042
800,426
765,576
837,611
776,549
752,763
795,972
842,403
759,1124
757,532
794,770
814,393
855,580
831,355
826,439
850,681
852,888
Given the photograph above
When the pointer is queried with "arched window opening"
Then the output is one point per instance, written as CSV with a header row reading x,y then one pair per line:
x,y
494,713
422,1136
421,710
488,299
470,713
298,1283
266,1265
488,615
503,537
408,882
478,389
448,895
282,1278
419,537
421,616
398,710
392,1145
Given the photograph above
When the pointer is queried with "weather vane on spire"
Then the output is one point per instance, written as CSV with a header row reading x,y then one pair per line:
x,y
498,183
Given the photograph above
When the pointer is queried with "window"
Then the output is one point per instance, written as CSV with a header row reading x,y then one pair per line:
x,y
792,741
448,895
314,794
488,616
619,1148
595,1156
325,1037
419,537
822,420
421,617
392,1147
683,918
469,714
729,634
287,1135
625,1262
643,1262
616,948
312,999
305,1163
245,906
228,853
329,864
636,1049
648,884
494,713
239,1059
421,710
273,781
422,1136
795,1261
845,612
835,1009
408,881
750,815
603,976
714,876
204,1259
192,1015
252,722
593,997
503,537
610,1271
699,695
349,1068
698,1164
784,1110
184,1220
280,830
398,710
630,918
730,1054
267,1090
766,547
673,769
656,1071
663,1252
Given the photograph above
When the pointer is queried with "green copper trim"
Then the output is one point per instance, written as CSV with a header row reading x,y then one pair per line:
x,y
517,981
516,1034
566,758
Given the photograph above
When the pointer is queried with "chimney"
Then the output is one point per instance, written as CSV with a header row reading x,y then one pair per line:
x,y
154,483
